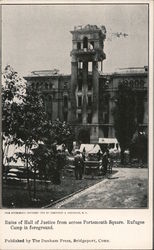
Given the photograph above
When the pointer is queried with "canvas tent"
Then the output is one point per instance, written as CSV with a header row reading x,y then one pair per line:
x,y
90,148
12,150
107,141
111,143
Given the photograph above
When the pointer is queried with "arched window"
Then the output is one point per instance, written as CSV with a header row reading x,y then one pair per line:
x,y
85,42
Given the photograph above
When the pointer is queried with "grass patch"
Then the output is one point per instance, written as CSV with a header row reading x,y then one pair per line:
x,y
16,196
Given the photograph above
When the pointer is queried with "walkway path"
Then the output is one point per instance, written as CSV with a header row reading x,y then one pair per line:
x,y
125,189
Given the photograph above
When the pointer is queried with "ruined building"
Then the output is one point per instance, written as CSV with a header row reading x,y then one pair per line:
x,y
87,96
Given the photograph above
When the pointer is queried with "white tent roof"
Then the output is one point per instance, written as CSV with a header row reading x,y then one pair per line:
x,y
12,150
107,140
90,148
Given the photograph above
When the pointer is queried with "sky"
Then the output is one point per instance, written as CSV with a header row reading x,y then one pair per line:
x,y
37,37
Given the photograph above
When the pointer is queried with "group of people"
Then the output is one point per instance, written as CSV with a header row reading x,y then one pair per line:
x,y
79,160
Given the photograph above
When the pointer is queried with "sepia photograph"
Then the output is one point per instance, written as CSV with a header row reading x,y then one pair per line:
x,y
75,106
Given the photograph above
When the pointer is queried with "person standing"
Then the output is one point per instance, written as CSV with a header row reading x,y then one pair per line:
x,y
78,162
105,162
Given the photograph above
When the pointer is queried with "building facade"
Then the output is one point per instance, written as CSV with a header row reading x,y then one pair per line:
x,y
86,98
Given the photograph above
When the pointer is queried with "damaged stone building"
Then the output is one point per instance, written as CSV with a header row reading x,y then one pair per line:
x,y
86,97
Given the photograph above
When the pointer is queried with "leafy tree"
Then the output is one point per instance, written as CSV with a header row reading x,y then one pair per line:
x,y
13,93
84,135
139,146
25,123
124,117
62,132
34,127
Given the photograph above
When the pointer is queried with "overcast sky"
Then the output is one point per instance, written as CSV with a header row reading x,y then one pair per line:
x,y
38,37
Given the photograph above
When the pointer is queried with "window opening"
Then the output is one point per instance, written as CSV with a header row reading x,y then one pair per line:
x,y
89,101
89,66
89,118
80,85
79,117
80,65
79,101
78,45
91,45
85,42
89,84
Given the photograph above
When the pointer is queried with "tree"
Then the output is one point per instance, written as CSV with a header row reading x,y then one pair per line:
x,y
84,135
34,128
24,120
139,146
13,93
62,132
124,117
25,123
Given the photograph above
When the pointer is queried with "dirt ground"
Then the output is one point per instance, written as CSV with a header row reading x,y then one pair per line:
x,y
127,188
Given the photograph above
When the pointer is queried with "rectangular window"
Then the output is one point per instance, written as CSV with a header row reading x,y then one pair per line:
x,y
80,65
106,118
89,66
89,101
89,118
80,117
89,83
89,86
78,45
79,101
80,85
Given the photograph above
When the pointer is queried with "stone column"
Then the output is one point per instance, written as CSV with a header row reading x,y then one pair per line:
x,y
111,120
74,81
95,108
84,90
145,119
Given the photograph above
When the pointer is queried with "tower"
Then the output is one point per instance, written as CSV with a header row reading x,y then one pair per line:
x,y
87,56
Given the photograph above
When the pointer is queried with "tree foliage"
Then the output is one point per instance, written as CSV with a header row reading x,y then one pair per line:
x,y
25,123
13,92
62,132
139,147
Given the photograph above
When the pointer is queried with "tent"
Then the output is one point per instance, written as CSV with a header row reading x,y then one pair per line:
x,y
13,150
111,143
107,141
90,148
